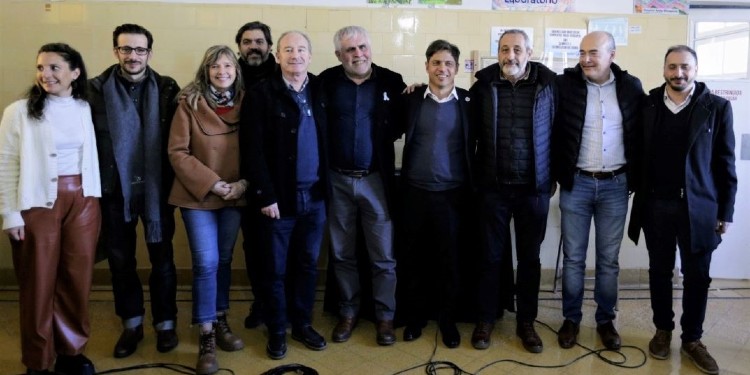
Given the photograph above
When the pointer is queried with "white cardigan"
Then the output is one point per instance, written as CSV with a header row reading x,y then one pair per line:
x,y
28,164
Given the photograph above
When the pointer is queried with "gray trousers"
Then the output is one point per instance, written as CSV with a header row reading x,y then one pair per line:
x,y
364,196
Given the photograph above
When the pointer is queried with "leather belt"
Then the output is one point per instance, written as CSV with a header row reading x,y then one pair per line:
x,y
602,175
355,173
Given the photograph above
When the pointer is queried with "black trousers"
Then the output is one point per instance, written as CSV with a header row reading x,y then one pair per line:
x,y
529,211
429,262
666,227
120,241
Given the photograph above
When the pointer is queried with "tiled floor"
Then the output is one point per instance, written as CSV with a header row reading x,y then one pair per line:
x,y
727,337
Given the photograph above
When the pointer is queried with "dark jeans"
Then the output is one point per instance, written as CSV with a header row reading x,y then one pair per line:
x,y
296,238
432,223
529,211
666,226
120,241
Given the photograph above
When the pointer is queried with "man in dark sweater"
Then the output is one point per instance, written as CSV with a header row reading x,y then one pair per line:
x,y
593,147
257,63
436,170
513,109
685,198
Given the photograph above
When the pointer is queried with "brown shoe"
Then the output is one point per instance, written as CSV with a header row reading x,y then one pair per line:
x,y
207,363
481,337
529,338
608,334
658,347
700,356
386,335
343,330
567,336
225,339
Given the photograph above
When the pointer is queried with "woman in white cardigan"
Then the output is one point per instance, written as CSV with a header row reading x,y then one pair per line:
x,y
49,184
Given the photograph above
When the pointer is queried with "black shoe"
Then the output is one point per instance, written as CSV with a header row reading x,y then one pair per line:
x,y
307,335
166,340
610,337
255,318
412,332
74,365
276,347
451,337
567,336
128,341
529,338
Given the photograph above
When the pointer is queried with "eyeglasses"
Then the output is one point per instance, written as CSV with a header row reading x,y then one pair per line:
x,y
140,51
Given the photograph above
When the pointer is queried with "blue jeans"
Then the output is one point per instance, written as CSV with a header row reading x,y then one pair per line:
x,y
606,200
297,238
211,235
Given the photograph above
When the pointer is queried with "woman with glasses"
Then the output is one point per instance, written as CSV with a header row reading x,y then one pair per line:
x,y
204,151
49,184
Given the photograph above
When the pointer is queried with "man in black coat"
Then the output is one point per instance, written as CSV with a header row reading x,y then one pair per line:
x,y
284,156
363,106
132,108
257,63
593,147
513,110
685,198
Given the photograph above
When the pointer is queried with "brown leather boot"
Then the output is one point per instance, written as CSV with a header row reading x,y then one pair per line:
x,y
207,363
226,340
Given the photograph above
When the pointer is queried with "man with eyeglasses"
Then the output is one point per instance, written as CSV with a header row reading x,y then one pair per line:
x,y
132,108
593,149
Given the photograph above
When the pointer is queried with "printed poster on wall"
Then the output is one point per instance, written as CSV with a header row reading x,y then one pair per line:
x,y
671,7
731,258
617,26
534,5
563,41
497,31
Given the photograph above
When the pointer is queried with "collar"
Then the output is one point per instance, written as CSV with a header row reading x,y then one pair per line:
x,y
687,99
289,84
428,93
610,80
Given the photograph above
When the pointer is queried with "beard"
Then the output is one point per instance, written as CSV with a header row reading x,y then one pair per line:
x,y
254,57
511,70
680,85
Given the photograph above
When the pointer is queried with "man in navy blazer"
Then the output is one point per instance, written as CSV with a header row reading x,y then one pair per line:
x,y
436,174
685,198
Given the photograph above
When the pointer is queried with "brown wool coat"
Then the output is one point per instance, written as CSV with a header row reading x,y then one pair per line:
x,y
204,149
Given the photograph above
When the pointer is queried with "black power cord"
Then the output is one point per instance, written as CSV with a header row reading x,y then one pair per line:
x,y
294,368
432,367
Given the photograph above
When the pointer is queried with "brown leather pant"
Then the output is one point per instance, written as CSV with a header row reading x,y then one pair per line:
x,y
54,266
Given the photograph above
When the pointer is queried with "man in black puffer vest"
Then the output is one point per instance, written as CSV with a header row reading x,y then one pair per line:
x,y
592,150
513,109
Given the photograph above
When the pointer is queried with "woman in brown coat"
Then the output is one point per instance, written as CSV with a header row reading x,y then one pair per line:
x,y
204,151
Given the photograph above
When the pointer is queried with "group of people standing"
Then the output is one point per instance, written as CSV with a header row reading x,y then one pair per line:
x,y
259,143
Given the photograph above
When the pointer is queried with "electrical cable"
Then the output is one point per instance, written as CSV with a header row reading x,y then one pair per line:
x,y
295,368
432,367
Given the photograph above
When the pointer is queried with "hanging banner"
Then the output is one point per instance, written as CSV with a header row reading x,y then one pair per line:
x,y
534,5
731,259
671,7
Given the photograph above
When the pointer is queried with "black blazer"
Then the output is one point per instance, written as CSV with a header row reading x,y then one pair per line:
x,y
268,142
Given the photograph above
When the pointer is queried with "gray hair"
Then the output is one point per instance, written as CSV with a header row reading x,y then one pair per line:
x,y
349,32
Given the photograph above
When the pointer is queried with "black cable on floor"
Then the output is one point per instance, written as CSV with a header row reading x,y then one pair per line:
x,y
176,367
432,367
